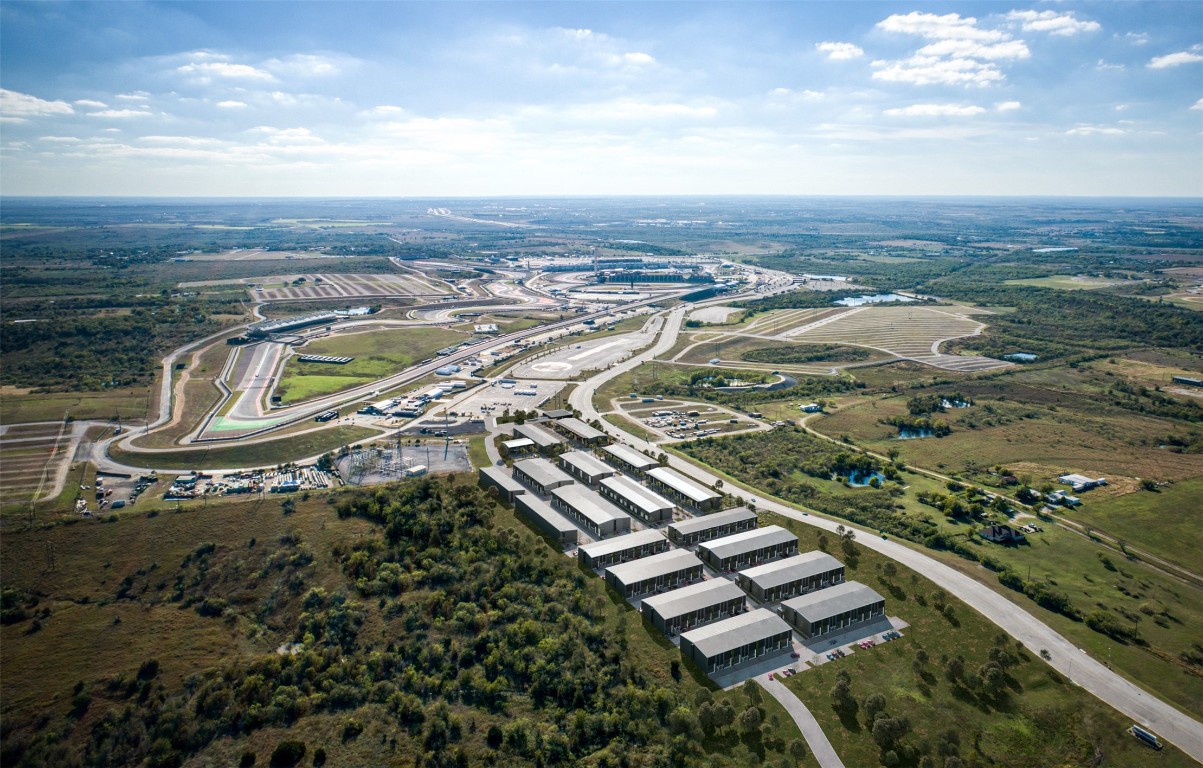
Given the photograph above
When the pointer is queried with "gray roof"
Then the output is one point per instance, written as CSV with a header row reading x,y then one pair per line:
x,y
499,477
521,442
748,541
833,601
682,484
542,471
695,597
631,456
619,543
586,463
542,437
792,569
591,506
644,498
541,509
655,565
718,519
580,428
736,632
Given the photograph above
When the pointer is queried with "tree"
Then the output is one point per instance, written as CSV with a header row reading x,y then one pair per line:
x,y
749,721
797,749
889,570
955,668
752,691
842,700
823,542
873,704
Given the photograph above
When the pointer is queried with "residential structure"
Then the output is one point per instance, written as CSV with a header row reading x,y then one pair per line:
x,y
540,475
1001,534
547,519
836,609
682,490
737,640
792,576
597,516
683,609
714,526
496,477
656,573
630,496
628,459
742,550
585,467
621,549
1081,482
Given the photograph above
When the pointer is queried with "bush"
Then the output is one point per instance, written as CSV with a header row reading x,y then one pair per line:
x,y
287,754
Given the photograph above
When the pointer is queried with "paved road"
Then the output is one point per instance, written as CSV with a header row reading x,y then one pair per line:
x,y
819,745
1144,708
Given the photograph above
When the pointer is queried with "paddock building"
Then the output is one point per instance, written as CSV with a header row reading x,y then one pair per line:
x,y
792,576
683,609
682,490
630,496
737,640
496,477
547,519
835,609
750,548
656,573
715,526
520,447
540,475
580,432
621,549
597,516
545,440
585,467
628,459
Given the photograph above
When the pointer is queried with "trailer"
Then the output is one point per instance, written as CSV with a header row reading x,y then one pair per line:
x,y
1148,737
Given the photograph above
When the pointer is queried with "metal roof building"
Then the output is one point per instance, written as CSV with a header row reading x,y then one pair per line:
x,y
731,553
628,459
738,640
596,515
547,519
506,485
546,440
521,447
641,502
657,573
540,475
585,467
621,549
834,609
695,605
792,576
682,490
713,526
580,431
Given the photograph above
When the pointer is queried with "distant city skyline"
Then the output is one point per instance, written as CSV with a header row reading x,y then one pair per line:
x,y
546,99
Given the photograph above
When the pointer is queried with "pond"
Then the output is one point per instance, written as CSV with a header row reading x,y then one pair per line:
x,y
914,434
857,480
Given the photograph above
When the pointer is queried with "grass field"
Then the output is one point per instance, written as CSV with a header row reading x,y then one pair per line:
x,y
268,453
377,354
1065,282
19,406
1165,521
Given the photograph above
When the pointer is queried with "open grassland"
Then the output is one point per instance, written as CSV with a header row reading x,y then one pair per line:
x,y
18,406
1165,521
377,353
1066,282
29,461
259,454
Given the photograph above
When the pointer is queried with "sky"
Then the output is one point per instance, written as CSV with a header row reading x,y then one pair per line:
x,y
565,98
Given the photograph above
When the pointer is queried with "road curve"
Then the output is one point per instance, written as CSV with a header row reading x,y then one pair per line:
x,y
1144,708
820,745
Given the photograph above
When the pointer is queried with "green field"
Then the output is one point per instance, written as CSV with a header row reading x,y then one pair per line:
x,y
262,454
1066,282
18,407
377,354
1165,521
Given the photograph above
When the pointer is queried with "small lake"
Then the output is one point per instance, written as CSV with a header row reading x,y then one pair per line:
x,y
880,298
859,481
914,434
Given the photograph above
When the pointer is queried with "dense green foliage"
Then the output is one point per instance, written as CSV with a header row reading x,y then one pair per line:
x,y
806,353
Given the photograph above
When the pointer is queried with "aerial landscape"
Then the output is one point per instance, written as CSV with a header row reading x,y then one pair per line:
x,y
610,385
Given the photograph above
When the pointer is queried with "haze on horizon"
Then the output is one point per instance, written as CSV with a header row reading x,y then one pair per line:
x,y
542,99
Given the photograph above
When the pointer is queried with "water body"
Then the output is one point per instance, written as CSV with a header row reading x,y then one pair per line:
x,y
880,298
856,480
914,434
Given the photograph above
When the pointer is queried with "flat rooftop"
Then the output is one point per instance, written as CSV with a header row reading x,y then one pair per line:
x,y
736,632
522,442
542,437
792,569
717,520
626,453
644,498
503,479
580,428
682,484
592,507
748,541
542,510
587,463
833,601
695,597
542,471
620,543
654,565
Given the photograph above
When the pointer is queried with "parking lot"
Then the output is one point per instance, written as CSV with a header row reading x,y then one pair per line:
x,y
679,420
511,394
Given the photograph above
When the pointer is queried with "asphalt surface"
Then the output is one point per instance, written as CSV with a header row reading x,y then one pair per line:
x,y
818,742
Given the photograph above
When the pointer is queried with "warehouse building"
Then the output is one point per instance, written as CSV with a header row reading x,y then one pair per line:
x,y
630,496
742,550
621,549
835,609
496,477
520,447
547,519
580,432
597,516
540,475
585,467
682,490
628,459
657,573
698,529
737,640
688,607
546,441
792,576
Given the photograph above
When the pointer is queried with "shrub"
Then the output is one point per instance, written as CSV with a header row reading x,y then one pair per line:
x,y
287,754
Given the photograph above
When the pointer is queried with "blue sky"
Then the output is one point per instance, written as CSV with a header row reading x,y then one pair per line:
x,y
476,99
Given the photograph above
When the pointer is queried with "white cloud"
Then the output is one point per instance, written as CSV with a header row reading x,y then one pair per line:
x,y
121,114
288,136
1008,106
18,107
936,110
135,96
840,51
1137,38
972,49
90,103
1061,24
1174,60
231,104
383,110
962,52
951,26
304,65
1198,104
630,109
206,71
60,139
1104,66
638,58
1095,130
931,70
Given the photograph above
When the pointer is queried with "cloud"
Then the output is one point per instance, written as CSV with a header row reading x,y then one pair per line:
x,y
18,107
1198,104
1060,24
231,104
1137,38
1007,106
1104,66
60,139
207,71
1095,130
383,110
936,110
135,96
951,26
90,103
1174,60
304,65
961,51
932,70
840,51
121,114
972,49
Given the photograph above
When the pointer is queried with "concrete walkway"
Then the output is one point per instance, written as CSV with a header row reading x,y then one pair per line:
x,y
819,745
